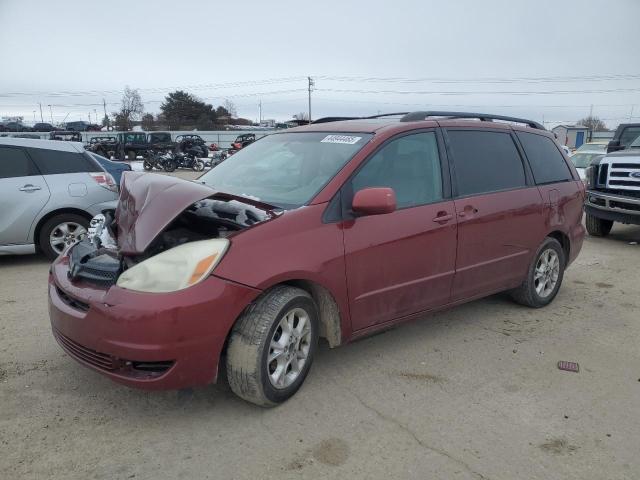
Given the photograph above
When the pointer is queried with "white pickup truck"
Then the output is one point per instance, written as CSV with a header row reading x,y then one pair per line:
x,y
613,190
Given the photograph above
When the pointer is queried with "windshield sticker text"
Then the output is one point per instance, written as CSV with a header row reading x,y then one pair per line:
x,y
345,139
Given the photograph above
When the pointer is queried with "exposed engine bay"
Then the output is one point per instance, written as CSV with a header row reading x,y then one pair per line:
x,y
97,258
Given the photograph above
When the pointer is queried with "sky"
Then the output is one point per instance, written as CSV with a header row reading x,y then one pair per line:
x,y
548,60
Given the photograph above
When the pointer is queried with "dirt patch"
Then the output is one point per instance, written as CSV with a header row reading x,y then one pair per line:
x,y
558,446
422,377
603,285
332,451
579,282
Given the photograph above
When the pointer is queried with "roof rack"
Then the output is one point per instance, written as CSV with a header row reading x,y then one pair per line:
x,y
340,119
484,117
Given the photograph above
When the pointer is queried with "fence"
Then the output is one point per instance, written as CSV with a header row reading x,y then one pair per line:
x,y
223,138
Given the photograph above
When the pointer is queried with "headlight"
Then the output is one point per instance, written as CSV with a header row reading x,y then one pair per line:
x,y
590,176
175,269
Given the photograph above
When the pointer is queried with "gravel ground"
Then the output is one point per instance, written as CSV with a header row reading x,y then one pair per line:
x,y
472,393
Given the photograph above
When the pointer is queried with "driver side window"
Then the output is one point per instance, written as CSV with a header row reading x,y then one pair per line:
x,y
410,165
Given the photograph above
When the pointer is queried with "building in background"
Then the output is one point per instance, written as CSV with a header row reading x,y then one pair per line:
x,y
571,135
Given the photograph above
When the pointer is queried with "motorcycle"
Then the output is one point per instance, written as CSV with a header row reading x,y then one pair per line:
x,y
184,160
158,160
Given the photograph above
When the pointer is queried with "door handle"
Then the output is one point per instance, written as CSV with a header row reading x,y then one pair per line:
x,y
442,217
29,188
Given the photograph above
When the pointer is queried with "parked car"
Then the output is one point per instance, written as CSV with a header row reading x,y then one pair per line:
x,y
65,135
79,126
592,147
333,230
115,169
132,144
15,127
49,191
104,145
624,136
613,188
582,160
43,127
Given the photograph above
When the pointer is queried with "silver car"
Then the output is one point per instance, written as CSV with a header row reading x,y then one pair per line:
x,y
49,191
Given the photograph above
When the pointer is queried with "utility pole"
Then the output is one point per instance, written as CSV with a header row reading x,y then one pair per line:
x,y
311,85
591,111
260,113
41,119
104,104
631,114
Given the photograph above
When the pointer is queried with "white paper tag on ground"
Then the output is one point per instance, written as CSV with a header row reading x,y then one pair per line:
x,y
346,139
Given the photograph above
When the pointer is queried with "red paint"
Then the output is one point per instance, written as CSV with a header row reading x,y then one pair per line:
x,y
380,269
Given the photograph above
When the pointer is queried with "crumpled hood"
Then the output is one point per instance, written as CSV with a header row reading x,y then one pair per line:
x,y
150,202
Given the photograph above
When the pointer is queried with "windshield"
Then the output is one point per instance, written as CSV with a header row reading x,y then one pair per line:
x,y
592,147
287,169
583,160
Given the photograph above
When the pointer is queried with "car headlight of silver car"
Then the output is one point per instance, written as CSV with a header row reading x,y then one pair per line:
x,y
175,269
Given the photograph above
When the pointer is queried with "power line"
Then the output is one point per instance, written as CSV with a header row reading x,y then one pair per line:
x,y
547,79
460,93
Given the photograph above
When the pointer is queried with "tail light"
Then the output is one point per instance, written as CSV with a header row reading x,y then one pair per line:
x,y
105,180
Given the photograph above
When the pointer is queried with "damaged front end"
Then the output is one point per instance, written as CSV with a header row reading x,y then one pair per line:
x,y
167,234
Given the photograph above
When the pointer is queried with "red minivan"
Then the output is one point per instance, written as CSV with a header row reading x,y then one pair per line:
x,y
335,230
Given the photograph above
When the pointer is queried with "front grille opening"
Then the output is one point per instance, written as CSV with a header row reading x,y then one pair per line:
x,y
72,302
598,201
634,166
626,183
624,205
109,363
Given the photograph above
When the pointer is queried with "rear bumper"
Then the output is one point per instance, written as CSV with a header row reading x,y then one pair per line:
x,y
151,341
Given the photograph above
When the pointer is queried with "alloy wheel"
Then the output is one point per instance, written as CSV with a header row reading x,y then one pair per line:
x,y
546,273
289,348
65,235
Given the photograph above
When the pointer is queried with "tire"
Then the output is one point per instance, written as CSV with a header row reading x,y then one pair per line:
x,y
52,228
169,166
131,155
598,227
529,293
249,372
147,165
198,165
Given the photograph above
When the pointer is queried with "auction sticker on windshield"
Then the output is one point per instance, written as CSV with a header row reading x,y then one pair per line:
x,y
346,139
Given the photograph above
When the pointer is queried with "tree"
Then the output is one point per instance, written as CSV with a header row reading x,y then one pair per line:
x,y
148,123
131,109
301,116
182,109
230,107
594,124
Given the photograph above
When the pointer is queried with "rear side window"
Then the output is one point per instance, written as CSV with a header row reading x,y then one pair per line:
x,y
15,163
546,161
485,162
410,165
52,162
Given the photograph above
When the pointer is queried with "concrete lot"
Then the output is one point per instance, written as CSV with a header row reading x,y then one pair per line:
x,y
473,393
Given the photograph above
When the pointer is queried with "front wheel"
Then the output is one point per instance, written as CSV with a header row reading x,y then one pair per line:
x,y
169,165
598,227
272,346
198,165
544,276
147,165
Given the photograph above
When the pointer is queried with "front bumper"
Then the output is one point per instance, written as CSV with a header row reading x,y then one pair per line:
x,y
145,340
613,207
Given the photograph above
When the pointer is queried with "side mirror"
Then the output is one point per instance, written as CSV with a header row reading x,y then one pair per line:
x,y
374,201
614,146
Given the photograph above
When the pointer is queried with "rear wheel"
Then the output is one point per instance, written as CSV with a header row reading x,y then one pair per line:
x,y
597,226
544,276
272,346
60,232
198,165
147,165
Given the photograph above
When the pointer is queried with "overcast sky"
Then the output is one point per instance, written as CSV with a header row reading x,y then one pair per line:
x,y
365,56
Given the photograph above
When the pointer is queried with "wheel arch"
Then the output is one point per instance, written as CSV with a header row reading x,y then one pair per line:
x,y
564,241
